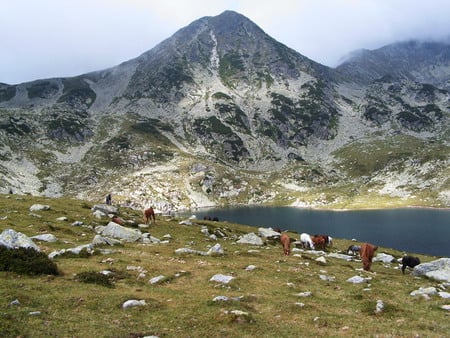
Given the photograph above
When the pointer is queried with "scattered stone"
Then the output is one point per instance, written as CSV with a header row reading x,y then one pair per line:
x,y
300,304
106,209
185,222
445,295
321,259
14,302
438,269
156,279
39,207
251,239
77,223
250,267
424,291
379,307
132,303
445,307
115,230
327,278
14,240
216,250
100,240
268,232
45,238
385,258
304,294
341,256
185,251
226,299
98,214
62,219
221,278
358,279
35,313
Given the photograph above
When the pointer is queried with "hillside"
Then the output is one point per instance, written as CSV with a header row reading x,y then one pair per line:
x,y
269,295
222,114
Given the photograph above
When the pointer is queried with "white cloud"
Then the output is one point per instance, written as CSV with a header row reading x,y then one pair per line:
x,y
52,38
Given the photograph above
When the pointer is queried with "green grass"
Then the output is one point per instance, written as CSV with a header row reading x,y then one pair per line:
x,y
181,305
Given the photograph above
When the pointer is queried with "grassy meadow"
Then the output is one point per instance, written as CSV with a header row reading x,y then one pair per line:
x,y
264,302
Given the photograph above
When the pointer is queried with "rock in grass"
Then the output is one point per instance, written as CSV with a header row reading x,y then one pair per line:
x,y
14,240
221,278
39,207
133,303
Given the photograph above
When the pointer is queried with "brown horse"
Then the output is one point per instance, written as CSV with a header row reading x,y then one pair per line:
x,y
149,215
286,242
319,241
367,252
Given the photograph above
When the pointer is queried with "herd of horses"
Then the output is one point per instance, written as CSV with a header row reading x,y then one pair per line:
x,y
366,250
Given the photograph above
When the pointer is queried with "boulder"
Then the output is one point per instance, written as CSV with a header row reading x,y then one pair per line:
x,y
385,258
45,238
115,230
438,269
14,240
221,278
251,239
39,207
106,209
215,250
268,232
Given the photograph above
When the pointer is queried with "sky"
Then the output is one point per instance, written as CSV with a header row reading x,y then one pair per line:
x,y
60,38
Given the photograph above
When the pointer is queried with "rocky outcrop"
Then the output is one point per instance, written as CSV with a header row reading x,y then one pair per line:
x,y
13,240
438,269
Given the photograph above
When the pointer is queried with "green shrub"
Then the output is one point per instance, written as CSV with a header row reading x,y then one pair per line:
x,y
93,277
26,261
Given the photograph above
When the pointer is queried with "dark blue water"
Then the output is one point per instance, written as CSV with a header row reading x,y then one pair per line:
x,y
425,231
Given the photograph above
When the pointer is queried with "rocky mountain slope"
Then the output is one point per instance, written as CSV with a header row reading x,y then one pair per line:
x,y
222,114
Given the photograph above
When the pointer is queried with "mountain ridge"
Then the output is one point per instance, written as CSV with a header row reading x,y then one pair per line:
x,y
221,113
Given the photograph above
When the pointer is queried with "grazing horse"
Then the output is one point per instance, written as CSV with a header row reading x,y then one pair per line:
x,y
367,252
353,249
319,241
306,241
286,242
149,215
409,261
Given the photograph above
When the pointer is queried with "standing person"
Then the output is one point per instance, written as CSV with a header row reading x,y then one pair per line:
x,y
367,252
108,199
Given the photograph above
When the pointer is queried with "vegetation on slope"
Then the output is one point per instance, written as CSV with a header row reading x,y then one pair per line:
x,y
76,303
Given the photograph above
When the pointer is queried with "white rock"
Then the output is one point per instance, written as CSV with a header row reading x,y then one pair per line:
x,y
358,279
379,307
215,250
321,259
443,294
304,294
156,279
221,278
39,207
13,240
424,291
133,302
250,267
438,269
385,258
251,239
45,238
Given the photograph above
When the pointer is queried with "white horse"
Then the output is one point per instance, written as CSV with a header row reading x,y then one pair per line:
x,y
306,241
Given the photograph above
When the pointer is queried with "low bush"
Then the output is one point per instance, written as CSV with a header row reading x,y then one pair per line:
x,y
26,261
